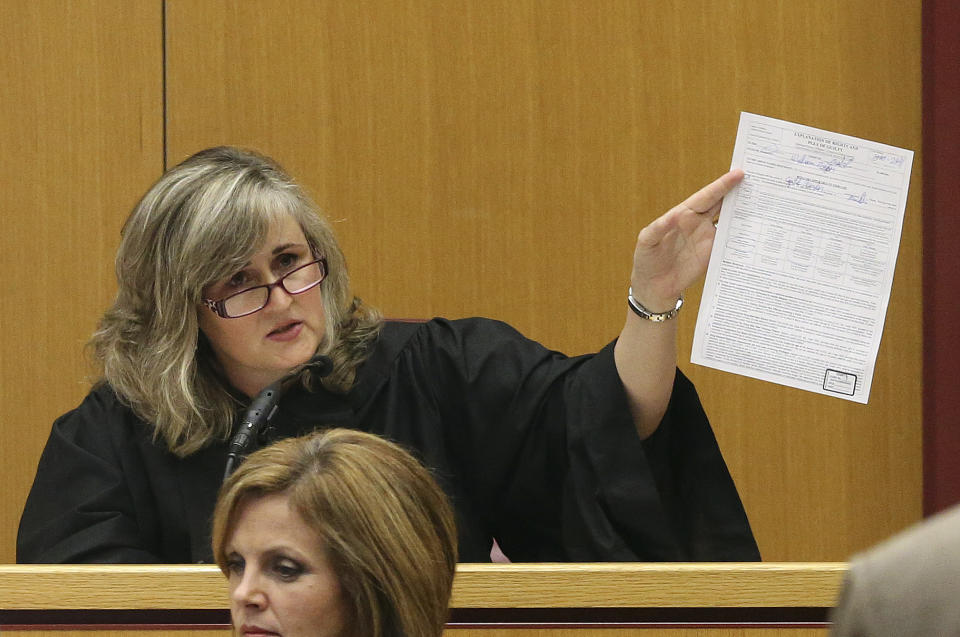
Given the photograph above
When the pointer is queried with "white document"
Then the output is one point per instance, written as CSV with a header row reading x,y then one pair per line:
x,y
799,279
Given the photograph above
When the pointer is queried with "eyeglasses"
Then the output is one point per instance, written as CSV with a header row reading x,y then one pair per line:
x,y
254,299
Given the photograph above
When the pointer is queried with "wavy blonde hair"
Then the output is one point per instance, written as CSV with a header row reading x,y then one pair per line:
x,y
200,222
387,527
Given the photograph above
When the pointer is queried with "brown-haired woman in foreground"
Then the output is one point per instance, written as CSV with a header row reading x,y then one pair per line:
x,y
339,533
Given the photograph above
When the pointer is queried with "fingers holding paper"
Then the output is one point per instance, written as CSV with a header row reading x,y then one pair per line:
x,y
673,251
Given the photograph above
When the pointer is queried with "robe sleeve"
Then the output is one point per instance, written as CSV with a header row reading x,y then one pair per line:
x,y
545,445
83,506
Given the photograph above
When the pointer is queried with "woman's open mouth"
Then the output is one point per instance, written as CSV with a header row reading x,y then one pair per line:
x,y
286,331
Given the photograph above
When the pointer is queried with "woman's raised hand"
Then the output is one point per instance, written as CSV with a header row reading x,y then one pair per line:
x,y
674,250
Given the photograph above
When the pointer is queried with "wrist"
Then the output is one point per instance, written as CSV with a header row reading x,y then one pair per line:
x,y
656,315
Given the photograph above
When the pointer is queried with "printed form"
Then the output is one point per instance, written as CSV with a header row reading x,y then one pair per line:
x,y
799,279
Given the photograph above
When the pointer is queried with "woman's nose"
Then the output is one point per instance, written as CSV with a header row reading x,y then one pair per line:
x,y
279,298
248,591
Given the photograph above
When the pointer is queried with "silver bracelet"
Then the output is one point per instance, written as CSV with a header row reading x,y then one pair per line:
x,y
656,317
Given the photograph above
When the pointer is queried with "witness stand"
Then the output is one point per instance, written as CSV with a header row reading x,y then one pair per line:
x,y
489,600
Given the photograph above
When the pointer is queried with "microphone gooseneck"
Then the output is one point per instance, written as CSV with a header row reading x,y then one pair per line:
x,y
261,411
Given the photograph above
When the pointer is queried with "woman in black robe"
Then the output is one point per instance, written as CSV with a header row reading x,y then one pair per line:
x,y
230,283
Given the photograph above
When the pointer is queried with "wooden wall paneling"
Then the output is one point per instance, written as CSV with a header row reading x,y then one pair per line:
x,y
498,158
834,477
81,133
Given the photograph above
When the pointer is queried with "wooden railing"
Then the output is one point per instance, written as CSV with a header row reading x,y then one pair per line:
x,y
574,599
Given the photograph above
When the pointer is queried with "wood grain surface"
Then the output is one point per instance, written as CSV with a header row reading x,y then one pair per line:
x,y
490,158
679,585
498,158
81,139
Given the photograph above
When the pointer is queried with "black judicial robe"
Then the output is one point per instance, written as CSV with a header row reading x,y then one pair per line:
x,y
534,448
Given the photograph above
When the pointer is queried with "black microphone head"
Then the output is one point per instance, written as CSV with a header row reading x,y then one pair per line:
x,y
321,365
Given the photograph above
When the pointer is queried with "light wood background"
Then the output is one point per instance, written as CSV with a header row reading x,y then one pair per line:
x,y
490,158
81,139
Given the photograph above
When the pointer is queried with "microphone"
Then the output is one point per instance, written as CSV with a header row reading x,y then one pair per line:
x,y
320,364
263,407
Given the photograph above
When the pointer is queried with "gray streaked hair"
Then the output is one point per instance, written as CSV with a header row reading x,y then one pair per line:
x,y
200,222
